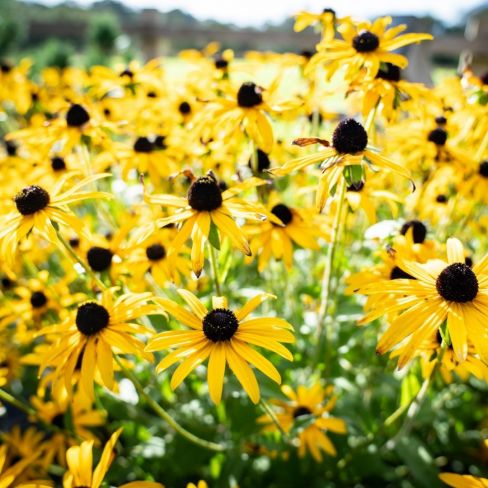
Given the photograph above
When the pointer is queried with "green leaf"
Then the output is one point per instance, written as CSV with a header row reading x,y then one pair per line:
x,y
213,236
418,461
353,174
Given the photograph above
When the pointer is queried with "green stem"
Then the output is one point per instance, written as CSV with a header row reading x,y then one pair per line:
x,y
31,412
7,397
71,252
215,269
267,409
161,412
414,406
328,269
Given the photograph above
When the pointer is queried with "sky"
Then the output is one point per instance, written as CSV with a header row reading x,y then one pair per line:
x,y
256,12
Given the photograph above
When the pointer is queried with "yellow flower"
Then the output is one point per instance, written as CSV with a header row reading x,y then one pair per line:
x,y
80,467
327,20
245,111
276,238
94,335
39,210
308,402
8,474
204,206
349,148
151,256
463,480
224,336
440,290
364,45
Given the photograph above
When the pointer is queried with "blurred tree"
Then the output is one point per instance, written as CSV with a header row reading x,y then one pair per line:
x,y
103,33
11,27
57,54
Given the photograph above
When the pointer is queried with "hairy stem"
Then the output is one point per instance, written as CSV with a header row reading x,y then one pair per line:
x,y
161,412
215,269
72,254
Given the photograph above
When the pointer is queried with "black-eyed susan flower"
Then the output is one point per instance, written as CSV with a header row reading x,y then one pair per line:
x,y
77,121
39,209
441,290
152,256
387,92
81,473
94,334
206,205
349,148
327,20
244,111
364,196
73,416
276,239
365,45
224,337
308,402
9,473
430,352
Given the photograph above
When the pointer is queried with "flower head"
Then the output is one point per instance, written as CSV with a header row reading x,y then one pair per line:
x,y
224,336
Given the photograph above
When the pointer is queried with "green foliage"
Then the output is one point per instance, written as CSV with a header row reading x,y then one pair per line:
x,y
103,32
56,54
11,27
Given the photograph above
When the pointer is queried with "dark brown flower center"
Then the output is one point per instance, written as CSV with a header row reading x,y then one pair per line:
x,y
74,242
249,95
483,169
11,148
143,145
204,194
365,42
31,199
419,230
38,299
349,137
6,282
58,163
99,258
221,63
457,283
301,411
441,198
220,325
438,136
91,318
155,252
184,108
127,72
283,213
77,116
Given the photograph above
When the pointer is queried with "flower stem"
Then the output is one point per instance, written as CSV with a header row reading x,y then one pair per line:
x,y
31,412
414,406
328,270
7,397
215,269
161,412
71,252
265,406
